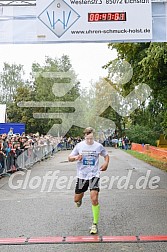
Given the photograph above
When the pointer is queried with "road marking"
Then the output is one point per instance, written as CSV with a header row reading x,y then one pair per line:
x,y
82,239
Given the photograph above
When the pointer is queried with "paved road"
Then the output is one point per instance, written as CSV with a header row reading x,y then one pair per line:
x,y
133,201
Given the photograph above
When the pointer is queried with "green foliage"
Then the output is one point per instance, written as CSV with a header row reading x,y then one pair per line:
x,y
41,90
10,80
142,134
149,63
44,89
75,132
101,103
24,115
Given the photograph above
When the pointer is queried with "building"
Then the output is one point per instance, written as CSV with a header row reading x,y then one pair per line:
x,y
3,115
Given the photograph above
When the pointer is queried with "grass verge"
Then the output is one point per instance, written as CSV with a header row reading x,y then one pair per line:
x,y
150,160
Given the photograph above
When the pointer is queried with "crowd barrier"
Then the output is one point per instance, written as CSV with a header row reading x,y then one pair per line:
x,y
26,158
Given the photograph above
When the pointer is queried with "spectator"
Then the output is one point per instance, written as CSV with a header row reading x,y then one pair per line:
x,y
10,133
126,141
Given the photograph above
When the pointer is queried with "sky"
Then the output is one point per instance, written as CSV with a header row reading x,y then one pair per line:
x,y
87,59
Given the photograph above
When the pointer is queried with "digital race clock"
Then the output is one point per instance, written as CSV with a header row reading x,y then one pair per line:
x,y
108,16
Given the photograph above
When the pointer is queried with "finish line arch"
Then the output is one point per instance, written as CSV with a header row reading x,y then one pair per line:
x,y
63,21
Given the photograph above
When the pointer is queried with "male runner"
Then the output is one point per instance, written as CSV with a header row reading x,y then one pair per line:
x,y
86,153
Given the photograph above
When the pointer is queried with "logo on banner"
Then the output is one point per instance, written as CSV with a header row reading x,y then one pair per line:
x,y
58,17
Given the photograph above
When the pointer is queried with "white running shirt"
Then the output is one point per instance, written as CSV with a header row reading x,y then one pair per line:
x,y
88,167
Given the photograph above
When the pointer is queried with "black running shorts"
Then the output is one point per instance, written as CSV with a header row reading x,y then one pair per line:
x,y
82,185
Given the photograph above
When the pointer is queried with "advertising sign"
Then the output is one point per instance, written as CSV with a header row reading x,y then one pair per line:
x,y
94,20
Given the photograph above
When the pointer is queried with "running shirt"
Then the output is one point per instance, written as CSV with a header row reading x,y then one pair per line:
x,y
88,167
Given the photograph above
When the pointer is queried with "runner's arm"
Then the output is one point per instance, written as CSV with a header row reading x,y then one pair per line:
x,y
105,164
74,158
74,155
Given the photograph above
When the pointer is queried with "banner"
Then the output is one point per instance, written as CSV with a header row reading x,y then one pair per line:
x,y
94,20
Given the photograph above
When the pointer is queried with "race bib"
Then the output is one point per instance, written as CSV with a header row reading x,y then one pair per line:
x,y
89,161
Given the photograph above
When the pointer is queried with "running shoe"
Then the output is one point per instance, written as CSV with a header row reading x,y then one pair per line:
x,y
94,229
79,203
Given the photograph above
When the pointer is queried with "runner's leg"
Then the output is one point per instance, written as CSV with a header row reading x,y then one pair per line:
x,y
95,206
80,188
78,197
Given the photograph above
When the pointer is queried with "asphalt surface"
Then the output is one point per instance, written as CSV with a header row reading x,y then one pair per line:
x,y
133,201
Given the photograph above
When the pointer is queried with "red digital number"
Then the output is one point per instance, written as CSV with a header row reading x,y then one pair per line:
x,y
104,16
91,17
96,17
109,16
116,16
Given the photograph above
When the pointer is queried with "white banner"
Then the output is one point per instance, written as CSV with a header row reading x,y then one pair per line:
x,y
18,24
94,20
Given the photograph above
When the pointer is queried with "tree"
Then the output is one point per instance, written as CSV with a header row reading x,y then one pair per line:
x,y
10,79
55,76
149,62
103,99
19,114
44,88
142,134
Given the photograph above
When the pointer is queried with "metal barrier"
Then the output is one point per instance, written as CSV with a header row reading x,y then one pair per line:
x,y
65,146
27,158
